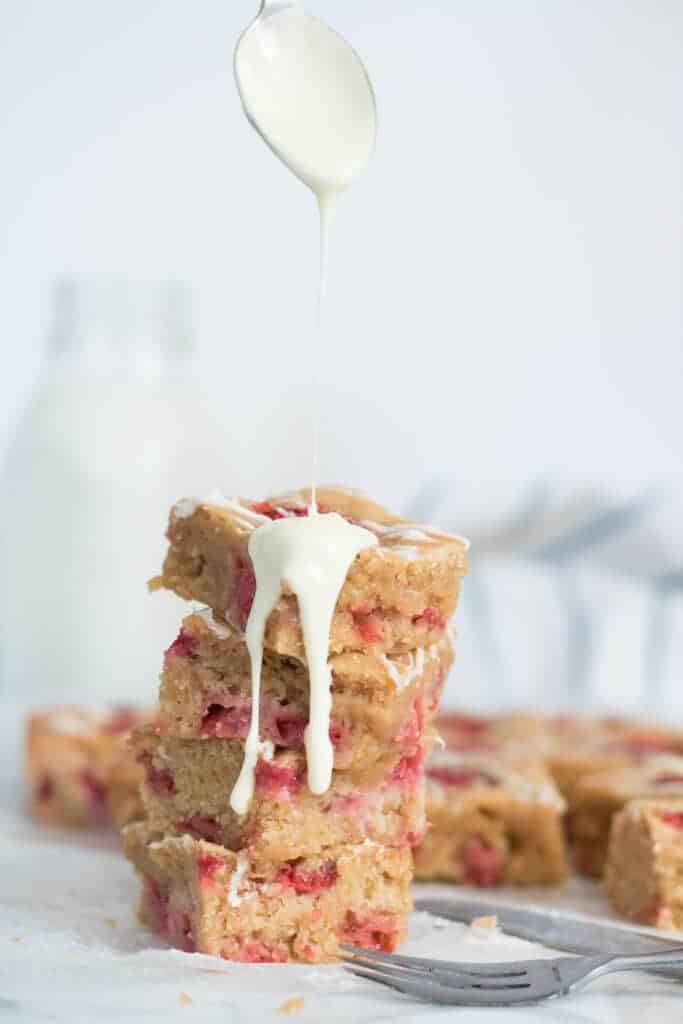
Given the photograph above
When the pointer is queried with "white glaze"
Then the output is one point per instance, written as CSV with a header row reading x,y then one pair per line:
x,y
312,556
236,880
220,629
413,665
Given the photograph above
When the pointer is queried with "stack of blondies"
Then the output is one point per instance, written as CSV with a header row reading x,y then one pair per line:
x,y
298,873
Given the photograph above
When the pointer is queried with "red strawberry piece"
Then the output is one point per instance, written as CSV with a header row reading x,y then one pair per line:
x,y
484,864
368,627
184,646
259,953
274,778
156,905
266,508
45,790
290,732
201,826
207,866
97,795
640,746
673,818
430,618
408,769
226,722
376,931
462,778
160,780
245,588
302,881
121,720
668,779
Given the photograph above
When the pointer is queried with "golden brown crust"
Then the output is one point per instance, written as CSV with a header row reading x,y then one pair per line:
x,y
397,595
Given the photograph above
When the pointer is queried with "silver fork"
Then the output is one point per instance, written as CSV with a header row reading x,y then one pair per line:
x,y
496,984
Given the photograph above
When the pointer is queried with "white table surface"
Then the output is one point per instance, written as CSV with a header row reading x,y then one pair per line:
x,y
71,949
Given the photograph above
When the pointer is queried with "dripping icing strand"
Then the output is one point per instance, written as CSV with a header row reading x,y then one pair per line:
x,y
312,556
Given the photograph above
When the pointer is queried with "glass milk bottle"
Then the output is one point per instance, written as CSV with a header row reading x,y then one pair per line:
x,y
118,430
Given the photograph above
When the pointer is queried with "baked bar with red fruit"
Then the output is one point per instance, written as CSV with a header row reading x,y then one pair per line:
x,y
492,820
397,596
575,747
598,797
644,869
512,733
188,783
204,898
380,703
79,768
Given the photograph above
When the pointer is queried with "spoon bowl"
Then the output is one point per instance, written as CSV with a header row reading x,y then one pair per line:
x,y
306,92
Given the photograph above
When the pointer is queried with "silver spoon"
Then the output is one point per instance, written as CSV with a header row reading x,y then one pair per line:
x,y
307,93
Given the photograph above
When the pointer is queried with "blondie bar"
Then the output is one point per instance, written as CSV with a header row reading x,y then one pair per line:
x,y
644,869
380,703
398,595
188,783
575,747
79,768
204,898
598,797
492,820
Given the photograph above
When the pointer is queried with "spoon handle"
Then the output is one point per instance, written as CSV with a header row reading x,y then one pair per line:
x,y
271,6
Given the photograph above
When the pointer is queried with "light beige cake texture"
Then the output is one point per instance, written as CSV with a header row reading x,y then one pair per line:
x,y
79,768
644,867
599,796
492,820
188,784
204,898
380,703
398,595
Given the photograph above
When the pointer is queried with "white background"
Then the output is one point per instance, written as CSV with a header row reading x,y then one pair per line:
x,y
505,293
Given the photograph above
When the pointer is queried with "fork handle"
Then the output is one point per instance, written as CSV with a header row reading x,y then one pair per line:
x,y
646,961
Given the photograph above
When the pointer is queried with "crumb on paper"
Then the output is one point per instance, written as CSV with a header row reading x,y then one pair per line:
x,y
184,999
487,923
16,938
293,1005
110,922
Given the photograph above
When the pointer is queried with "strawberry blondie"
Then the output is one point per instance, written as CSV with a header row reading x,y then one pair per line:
x,y
204,898
598,797
644,869
187,790
380,703
492,820
79,768
575,747
397,596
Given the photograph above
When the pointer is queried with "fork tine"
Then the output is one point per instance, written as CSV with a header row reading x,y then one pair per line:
x,y
449,977
496,970
427,990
